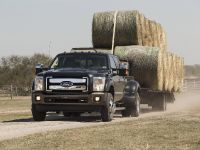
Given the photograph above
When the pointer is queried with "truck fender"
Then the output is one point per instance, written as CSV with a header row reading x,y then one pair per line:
x,y
131,88
109,84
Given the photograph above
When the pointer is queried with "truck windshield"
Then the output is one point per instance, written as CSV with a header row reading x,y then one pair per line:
x,y
82,61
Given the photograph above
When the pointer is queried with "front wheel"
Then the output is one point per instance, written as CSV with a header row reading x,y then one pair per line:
x,y
37,115
107,110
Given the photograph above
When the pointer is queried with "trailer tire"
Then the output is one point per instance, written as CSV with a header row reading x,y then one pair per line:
x,y
107,110
160,104
37,115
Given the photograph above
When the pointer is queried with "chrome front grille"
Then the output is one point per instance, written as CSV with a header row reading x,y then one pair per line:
x,y
67,84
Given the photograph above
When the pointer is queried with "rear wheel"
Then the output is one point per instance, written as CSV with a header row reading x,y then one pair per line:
x,y
132,107
107,110
37,115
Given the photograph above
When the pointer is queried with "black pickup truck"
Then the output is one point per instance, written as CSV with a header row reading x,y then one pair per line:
x,y
79,82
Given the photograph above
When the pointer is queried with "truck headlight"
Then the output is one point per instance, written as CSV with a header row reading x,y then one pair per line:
x,y
38,83
98,83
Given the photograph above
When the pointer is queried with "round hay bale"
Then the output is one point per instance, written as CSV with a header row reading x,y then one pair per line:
x,y
174,68
166,71
162,38
126,33
171,71
180,73
143,30
153,30
146,64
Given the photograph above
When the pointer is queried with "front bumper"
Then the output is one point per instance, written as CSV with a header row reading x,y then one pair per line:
x,y
69,103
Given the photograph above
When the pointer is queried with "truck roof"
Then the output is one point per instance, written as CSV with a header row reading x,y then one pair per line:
x,y
91,50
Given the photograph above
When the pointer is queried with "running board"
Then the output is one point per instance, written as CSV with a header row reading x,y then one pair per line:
x,y
119,108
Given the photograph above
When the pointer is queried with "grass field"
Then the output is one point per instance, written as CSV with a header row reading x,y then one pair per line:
x,y
174,130
17,108
163,132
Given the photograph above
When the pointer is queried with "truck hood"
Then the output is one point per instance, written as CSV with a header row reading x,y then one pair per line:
x,y
73,72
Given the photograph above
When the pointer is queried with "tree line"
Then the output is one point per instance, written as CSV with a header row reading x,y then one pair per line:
x,y
19,71
192,70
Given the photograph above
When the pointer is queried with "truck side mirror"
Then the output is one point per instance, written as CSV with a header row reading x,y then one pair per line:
x,y
124,69
38,68
122,72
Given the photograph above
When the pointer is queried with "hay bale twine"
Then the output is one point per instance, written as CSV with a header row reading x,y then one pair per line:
x,y
127,29
146,64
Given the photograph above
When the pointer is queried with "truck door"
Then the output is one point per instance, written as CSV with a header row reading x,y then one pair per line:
x,y
118,81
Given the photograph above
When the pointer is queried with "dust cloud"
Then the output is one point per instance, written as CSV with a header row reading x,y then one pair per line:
x,y
185,101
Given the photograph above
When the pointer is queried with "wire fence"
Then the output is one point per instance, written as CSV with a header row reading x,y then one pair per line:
x,y
13,90
191,85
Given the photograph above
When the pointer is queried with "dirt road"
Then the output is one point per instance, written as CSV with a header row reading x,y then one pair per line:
x,y
185,103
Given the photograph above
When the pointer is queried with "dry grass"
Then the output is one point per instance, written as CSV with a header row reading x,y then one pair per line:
x,y
176,130
14,116
17,108
18,103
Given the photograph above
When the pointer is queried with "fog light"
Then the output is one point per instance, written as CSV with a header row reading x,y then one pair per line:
x,y
97,99
38,98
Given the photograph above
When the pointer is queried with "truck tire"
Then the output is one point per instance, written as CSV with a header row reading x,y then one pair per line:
x,y
132,109
160,103
107,111
37,115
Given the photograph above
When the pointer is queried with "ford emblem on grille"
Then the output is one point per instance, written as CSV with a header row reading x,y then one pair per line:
x,y
66,84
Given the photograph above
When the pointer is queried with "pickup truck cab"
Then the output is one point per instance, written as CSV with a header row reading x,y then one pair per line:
x,y
79,82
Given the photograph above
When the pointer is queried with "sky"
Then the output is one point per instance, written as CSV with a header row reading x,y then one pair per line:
x,y
54,26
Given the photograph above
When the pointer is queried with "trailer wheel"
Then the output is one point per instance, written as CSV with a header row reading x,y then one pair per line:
x,y
37,115
132,108
107,110
160,103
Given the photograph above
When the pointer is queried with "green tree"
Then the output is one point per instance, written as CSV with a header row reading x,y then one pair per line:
x,y
20,71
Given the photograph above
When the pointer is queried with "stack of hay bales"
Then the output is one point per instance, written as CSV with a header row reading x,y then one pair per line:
x,y
153,68
143,43
132,28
